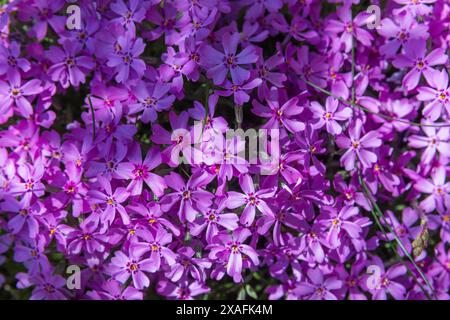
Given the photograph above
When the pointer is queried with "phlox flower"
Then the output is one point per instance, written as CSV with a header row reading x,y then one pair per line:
x,y
69,65
251,199
414,57
437,189
318,287
220,63
358,146
15,94
329,115
231,248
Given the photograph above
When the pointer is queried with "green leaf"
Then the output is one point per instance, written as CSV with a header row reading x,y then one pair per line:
x,y
251,292
241,294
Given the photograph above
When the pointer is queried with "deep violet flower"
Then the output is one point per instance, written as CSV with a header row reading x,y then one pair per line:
x,y
357,146
251,199
219,64
116,155
69,66
231,248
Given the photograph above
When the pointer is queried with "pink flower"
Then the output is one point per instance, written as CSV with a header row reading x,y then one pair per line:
x,y
415,58
330,115
358,146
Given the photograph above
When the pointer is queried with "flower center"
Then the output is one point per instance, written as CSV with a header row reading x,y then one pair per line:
x,y
15,92
186,194
49,288
231,60
133,267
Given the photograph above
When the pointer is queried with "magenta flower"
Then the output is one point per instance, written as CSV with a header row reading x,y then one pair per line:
x,y
231,248
250,198
220,63
126,62
358,146
187,264
182,291
384,283
111,290
139,171
128,16
437,188
25,215
15,94
110,201
10,61
318,287
438,95
69,66
434,141
280,115
416,7
414,57
213,219
190,197
338,223
151,99
156,242
399,31
123,266
349,28
86,239
44,11
239,90
47,285
330,115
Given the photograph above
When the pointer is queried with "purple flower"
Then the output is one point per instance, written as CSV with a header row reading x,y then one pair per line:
x,y
110,201
330,115
190,196
111,290
123,266
435,140
318,287
10,61
438,95
15,94
156,241
357,146
231,248
47,285
349,28
415,58
212,219
220,63
250,198
69,66
128,15
437,188
382,282
125,61
151,99
280,115
338,223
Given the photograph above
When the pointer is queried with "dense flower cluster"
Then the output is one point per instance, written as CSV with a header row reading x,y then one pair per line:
x,y
95,118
